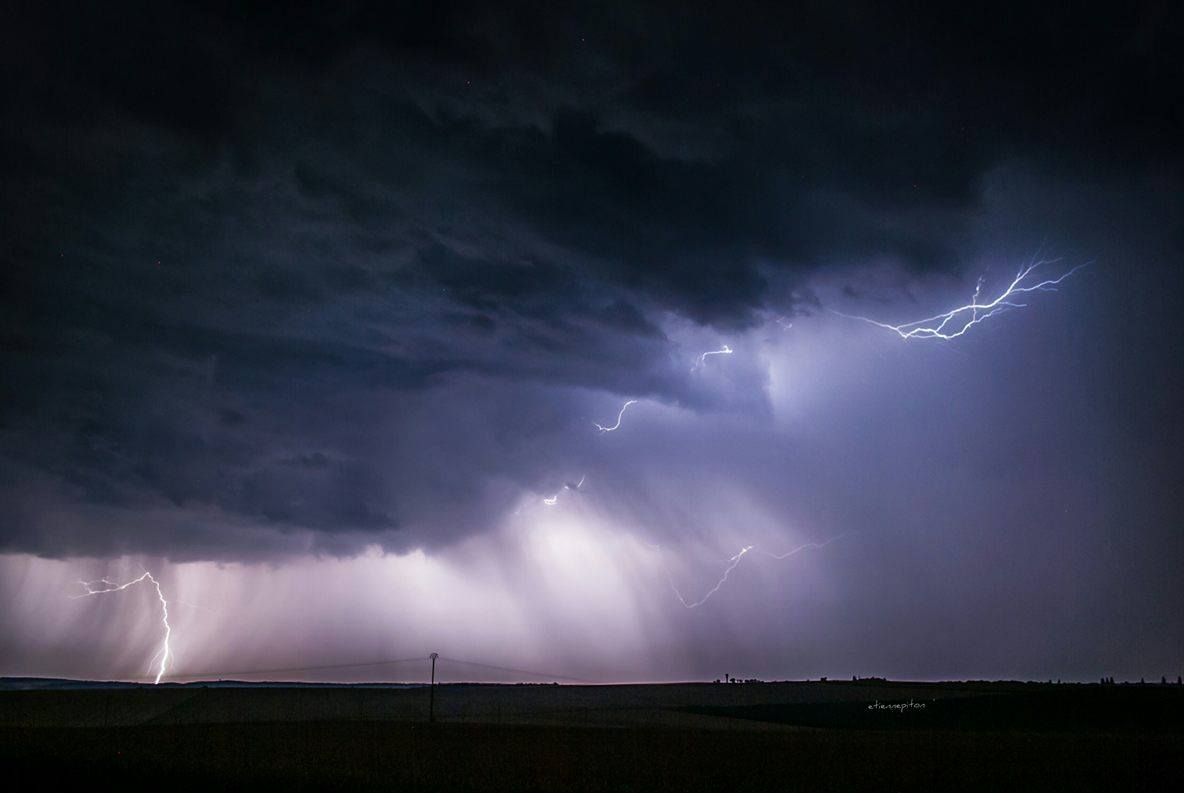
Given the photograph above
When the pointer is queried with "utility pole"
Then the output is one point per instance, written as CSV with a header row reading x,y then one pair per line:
x,y
432,691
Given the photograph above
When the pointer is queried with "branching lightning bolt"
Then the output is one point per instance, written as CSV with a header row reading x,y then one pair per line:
x,y
602,428
724,350
954,323
103,586
550,500
733,563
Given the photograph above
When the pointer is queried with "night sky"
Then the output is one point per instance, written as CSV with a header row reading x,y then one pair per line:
x,y
309,311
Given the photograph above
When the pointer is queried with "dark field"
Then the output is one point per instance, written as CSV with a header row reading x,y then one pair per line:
x,y
782,736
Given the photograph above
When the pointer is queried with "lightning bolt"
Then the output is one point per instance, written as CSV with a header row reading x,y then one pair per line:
x,y
602,428
954,323
550,500
804,546
164,653
724,350
733,562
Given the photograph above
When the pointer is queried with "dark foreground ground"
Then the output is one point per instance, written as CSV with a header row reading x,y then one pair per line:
x,y
789,736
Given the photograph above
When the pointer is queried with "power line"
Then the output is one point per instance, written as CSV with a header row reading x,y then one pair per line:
x,y
300,668
367,664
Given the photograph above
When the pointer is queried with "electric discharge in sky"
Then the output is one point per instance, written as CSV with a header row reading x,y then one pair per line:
x,y
946,326
102,587
957,321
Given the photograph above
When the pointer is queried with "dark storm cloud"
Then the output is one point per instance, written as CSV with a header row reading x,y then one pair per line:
x,y
360,273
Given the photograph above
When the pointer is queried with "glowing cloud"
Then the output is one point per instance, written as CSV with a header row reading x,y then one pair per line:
x,y
550,500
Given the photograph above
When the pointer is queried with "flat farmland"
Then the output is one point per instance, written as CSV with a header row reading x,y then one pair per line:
x,y
775,736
